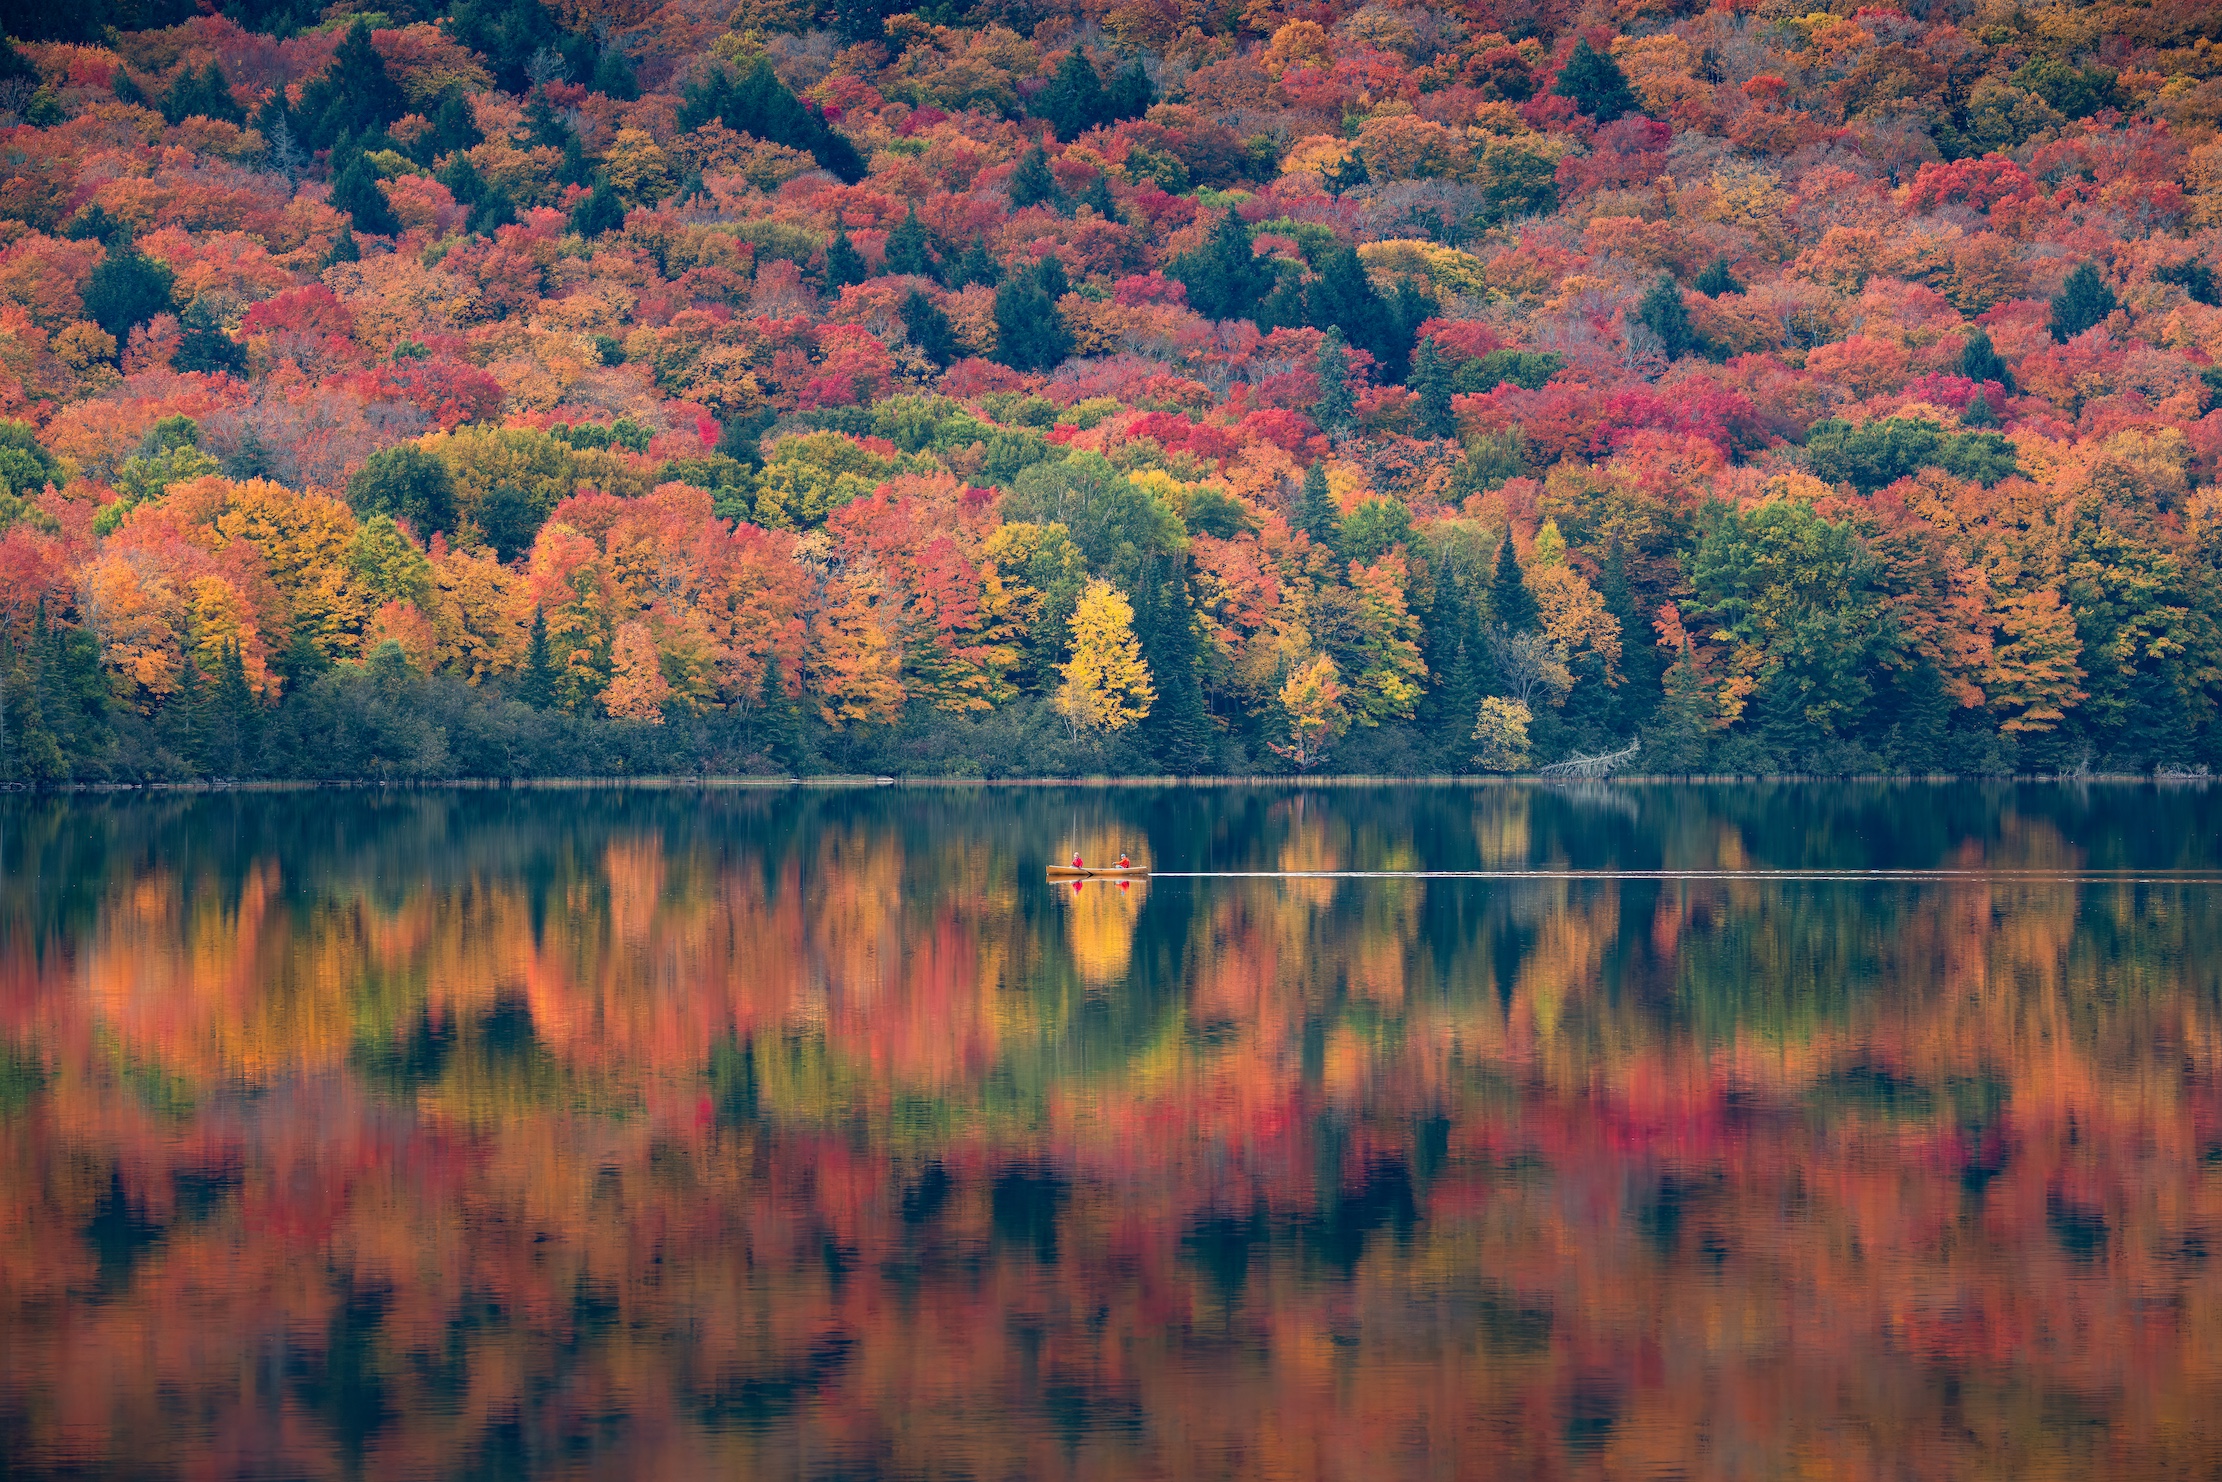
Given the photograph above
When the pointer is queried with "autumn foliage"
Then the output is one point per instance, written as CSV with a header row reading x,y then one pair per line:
x,y
1786,391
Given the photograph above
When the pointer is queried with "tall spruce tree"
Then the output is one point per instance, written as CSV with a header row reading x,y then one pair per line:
x,y
1337,410
1031,183
2084,302
1980,361
1432,380
1511,604
1224,277
778,720
1663,312
1316,513
844,264
1074,101
907,250
1593,82
536,684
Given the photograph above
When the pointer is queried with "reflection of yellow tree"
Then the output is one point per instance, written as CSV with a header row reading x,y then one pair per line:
x,y
1099,923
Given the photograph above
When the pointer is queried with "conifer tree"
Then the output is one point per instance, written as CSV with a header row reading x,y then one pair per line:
x,y
974,265
601,212
536,685
1074,101
1178,728
1130,94
1030,331
1098,198
1337,409
1593,82
778,717
1717,280
844,264
1511,604
906,247
1979,413
1663,311
929,329
1317,515
355,190
1224,277
1431,379
2083,302
1032,183
1980,362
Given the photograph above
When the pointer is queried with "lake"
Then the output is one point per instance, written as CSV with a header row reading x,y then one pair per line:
x,y
812,1132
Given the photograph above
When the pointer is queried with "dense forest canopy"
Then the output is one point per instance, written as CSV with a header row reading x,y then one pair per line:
x,y
1018,386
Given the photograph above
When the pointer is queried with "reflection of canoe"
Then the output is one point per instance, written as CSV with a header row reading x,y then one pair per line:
x,y
1095,872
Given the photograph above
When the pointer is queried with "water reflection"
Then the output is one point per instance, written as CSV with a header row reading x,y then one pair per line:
x,y
815,1134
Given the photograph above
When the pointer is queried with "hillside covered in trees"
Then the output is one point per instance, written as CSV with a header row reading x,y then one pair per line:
x,y
1032,386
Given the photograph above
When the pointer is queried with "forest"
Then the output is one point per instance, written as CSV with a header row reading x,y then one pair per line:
x,y
503,388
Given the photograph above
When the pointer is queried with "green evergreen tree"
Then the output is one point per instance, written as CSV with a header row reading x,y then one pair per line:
x,y
536,684
1432,380
355,190
1979,413
974,265
454,130
1593,82
1031,183
355,96
1717,280
343,247
204,347
1224,277
1642,665
1178,729
1347,173
602,211
1098,198
1451,646
1317,514
232,733
494,211
1343,298
407,483
462,179
1919,738
907,250
126,289
182,724
1074,101
1131,93
778,718
127,91
1980,362
844,264
929,329
202,94
1663,311
1511,604
1030,331
613,77
1337,409
1678,738
2083,303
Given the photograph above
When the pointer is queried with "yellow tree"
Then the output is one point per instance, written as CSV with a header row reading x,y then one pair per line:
x,y
1317,718
1107,685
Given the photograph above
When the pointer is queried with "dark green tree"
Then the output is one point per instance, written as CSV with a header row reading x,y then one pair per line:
x,y
2083,303
343,247
202,94
778,719
355,190
1030,331
1131,93
929,329
1343,298
1074,101
1642,664
1032,183
1979,362
1098,198
1593,82
907,250
1431,379
844,264
1662,311
602,211
1178,729
1337,409
536,681
1717,280
355,96
1979,413
613,76
1346,174
1224,277
759,103
407,483
973,265
454,128
1316,514
126,289
205,347
1511,604
127,91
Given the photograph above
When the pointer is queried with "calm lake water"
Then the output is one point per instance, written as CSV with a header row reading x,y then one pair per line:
x,y
812,1133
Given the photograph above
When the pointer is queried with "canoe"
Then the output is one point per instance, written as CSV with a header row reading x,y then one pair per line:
x,y
1098,872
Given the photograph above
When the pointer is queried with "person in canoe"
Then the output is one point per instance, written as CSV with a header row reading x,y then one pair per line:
x,y
1076,864
1123,863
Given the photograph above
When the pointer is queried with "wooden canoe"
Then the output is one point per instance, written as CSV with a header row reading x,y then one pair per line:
x,y
1098,872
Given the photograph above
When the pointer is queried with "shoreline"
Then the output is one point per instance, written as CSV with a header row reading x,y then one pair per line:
x,y
678,782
